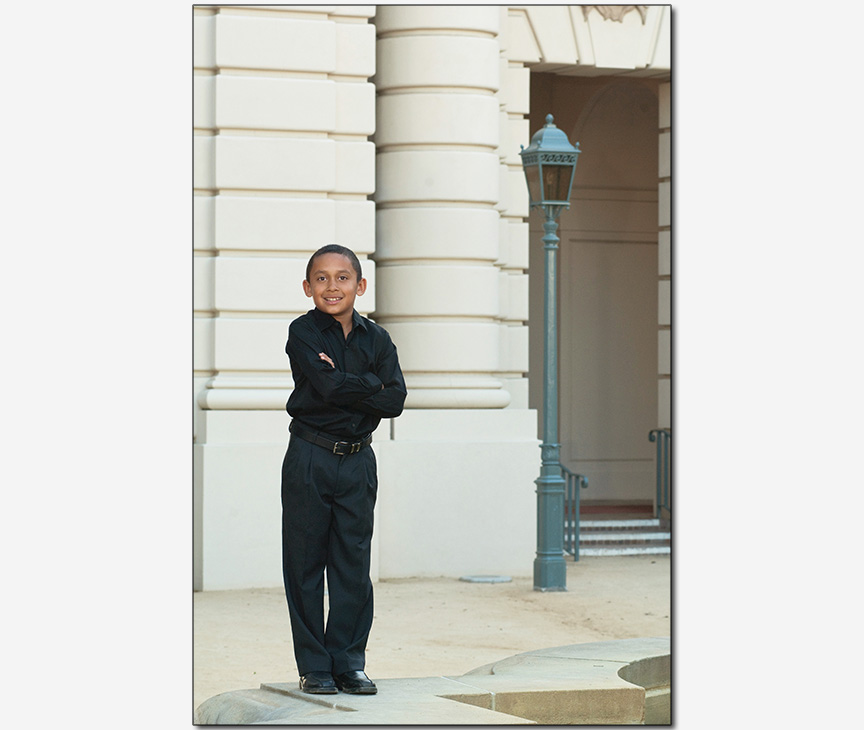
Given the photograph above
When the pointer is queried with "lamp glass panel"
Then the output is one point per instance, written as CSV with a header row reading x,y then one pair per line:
x,y
556,182
532,176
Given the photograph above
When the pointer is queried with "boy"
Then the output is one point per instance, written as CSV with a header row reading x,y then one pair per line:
x,y
346,379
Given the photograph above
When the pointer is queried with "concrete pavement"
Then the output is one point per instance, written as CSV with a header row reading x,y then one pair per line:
x,y
623,682
437,627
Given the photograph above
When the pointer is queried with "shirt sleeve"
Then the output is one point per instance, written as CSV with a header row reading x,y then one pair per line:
x,y
334,386
389,401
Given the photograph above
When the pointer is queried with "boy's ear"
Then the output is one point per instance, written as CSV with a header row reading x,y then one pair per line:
x,y
361,287
307,288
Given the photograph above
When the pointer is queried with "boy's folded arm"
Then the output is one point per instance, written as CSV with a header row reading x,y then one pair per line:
x,y
334,386
390,400
386,403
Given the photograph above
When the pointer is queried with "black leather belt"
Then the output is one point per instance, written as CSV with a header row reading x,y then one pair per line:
x,y
340,448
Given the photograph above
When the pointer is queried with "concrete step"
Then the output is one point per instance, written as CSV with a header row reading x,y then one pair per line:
x,y
606,550
613,524
622,534
622,537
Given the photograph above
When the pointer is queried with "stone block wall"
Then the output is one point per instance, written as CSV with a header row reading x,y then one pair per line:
x,y
283,165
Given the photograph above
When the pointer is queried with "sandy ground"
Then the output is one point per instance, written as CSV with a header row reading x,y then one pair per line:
x,y
440,626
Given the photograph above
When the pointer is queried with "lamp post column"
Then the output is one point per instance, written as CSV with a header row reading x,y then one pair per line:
x,y
549,163
550,570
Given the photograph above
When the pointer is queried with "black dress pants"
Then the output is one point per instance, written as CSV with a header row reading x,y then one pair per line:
x,y
327,516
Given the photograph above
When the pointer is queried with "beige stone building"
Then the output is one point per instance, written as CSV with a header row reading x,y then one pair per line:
x,y
396,130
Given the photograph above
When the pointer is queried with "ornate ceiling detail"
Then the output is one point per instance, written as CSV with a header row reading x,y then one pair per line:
x,y
615,12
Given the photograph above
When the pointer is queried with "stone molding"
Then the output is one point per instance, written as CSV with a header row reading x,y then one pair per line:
x,y
616,12
563,39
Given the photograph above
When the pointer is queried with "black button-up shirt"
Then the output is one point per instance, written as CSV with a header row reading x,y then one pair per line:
x,y
347,401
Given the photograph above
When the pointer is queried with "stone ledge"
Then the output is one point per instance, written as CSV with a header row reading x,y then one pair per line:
x,y
612,682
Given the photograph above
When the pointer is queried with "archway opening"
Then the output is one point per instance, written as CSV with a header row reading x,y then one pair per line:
x,y
607,288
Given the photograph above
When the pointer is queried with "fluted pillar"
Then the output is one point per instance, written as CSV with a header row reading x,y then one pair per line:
x,y
437,188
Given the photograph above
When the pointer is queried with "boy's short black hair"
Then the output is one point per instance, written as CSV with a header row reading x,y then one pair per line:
x,y
336,248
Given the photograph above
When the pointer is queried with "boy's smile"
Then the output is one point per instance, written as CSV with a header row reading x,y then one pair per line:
x,y
333,286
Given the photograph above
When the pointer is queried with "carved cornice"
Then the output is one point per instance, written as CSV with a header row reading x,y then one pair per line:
x,y
616,12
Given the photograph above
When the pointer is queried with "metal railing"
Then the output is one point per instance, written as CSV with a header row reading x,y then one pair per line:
x,y
663,438
574,484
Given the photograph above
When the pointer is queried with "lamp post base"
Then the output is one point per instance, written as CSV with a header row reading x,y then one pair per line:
x,y
550,570
550,574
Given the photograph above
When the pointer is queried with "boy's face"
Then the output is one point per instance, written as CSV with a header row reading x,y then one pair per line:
x,y
333,285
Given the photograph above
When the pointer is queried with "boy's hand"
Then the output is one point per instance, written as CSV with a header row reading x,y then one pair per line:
x,y
327,359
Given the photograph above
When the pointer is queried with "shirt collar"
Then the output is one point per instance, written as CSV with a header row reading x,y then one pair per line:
x,y
324,320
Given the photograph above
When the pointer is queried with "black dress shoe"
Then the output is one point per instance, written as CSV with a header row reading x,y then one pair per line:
x,y
356,683
318,683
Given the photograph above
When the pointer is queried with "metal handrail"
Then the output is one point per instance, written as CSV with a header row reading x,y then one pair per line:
x,y
573,482
663,438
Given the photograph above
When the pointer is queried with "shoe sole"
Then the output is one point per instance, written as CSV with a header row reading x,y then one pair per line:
x,y
361,691
322,691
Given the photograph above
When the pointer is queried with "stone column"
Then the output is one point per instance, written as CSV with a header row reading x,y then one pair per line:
x,y
457,476
437,192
